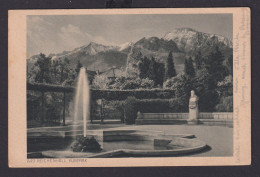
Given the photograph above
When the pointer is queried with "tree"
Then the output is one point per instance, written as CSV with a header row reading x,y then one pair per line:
x,y
188,67
123,83
55,65
101,82
133,58
144,67
66,72
181,85
160,70
57,71
229,64
198,60
146,83
78,66
207,78
169,67
225,92
43,74
225,104
205,88
64,68
152,70
215,67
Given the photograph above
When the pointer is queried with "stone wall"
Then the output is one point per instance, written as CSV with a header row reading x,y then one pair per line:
x,y
216,115
209,118
202,115
164,115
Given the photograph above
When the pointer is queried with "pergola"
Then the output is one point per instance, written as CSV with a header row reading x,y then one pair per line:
x,y
107,94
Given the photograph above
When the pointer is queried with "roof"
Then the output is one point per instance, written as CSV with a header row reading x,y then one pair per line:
x,y
111,72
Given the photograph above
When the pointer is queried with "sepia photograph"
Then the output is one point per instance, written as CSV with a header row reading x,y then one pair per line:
x,y
130,86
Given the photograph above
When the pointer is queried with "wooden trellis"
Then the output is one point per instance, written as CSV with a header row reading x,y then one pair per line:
x,y
98,94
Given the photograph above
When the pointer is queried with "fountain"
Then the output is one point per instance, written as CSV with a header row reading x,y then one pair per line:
x,y
81,109
82,100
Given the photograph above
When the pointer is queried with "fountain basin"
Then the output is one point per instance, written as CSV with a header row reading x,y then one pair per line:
x,y
186,146
127,143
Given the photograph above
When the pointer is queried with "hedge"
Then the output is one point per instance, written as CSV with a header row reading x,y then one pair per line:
x,y
133,105
137,93
107,93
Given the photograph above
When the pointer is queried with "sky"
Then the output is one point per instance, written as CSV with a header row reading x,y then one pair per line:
x,y
56,33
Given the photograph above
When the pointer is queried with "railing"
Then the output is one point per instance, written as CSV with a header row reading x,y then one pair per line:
x,y
164,115
43,106
216,115
202,115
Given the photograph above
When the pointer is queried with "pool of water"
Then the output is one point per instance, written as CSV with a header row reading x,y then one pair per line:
x,y
137,145
47,143
44,144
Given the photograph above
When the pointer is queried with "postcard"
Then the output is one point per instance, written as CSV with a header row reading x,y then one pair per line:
x,y
129,87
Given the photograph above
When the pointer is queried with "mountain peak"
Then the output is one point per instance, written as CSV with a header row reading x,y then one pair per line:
x,y
189,38
93,48
184,29
125,46
94,44
178,32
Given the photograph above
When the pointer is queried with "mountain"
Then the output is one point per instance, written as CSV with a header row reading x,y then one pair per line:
x,y
96,56
126,46
94,48
183,42
189,40
156,44
91,49
154,47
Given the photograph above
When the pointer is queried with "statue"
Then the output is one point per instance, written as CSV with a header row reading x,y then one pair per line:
x,y
193,108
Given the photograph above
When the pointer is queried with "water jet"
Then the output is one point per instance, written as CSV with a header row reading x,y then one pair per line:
x,y
81,109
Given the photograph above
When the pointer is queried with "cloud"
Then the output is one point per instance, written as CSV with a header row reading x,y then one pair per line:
x,y
45,37
71,36
101,40
39,32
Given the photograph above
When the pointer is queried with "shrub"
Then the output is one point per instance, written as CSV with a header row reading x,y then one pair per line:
x,y
225,104
225,87
101,82
159,106
53,109
147,83
131,84
137,93
182,84
124,83
169,83
116,107
153,105
130,110
133,105
33,106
